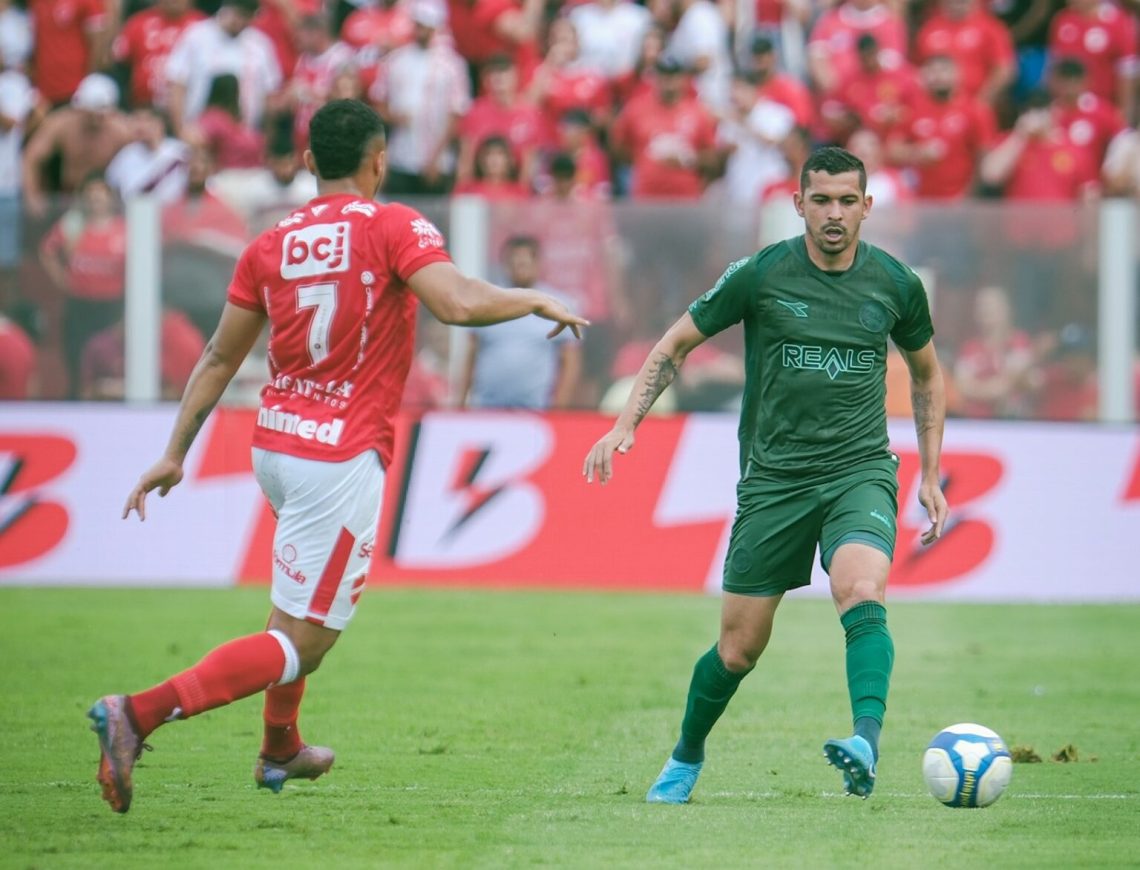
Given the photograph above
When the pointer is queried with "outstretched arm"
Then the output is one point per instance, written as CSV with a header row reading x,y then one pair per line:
x,y
237,331
657,372
928,396
458,300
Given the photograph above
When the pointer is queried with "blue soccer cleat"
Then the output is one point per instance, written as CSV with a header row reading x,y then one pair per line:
x,y
856,760
674,783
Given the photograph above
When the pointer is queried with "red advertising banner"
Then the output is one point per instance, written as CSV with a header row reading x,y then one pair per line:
x,y
1039,512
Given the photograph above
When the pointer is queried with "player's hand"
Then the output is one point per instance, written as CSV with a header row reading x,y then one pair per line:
x,y
164,475
550,308
600,459
930,497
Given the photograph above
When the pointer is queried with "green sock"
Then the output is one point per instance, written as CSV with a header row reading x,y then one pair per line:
x,y
712,687
870,654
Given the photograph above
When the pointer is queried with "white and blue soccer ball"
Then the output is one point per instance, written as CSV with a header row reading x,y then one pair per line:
x,y
967,765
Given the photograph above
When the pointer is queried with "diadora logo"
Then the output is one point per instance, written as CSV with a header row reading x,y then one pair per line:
x,y
799,309
328,432
320,249
831,360
430,237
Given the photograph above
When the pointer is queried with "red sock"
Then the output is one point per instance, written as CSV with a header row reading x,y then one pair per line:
x,y
282,737
231,671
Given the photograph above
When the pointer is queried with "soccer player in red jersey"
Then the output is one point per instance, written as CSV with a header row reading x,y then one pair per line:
x,y
338,282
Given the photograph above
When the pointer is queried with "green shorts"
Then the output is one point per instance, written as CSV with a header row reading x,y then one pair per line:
x,y
779,523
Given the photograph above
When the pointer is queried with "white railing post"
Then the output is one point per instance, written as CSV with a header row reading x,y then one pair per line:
x,y
1116,328
143,316
469,232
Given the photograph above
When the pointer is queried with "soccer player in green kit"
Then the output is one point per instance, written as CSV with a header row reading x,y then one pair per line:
x,y
815,463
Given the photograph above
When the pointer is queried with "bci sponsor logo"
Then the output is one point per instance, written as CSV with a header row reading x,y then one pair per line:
x,y
320,249
328,432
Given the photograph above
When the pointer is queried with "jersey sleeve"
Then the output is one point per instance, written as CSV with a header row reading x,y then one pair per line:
x,y
914,327
729,299
412,241
243,286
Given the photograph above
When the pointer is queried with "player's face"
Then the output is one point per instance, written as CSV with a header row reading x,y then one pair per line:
x,y
833,207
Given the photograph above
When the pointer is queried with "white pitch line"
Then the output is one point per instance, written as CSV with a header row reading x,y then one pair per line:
x,y
918,795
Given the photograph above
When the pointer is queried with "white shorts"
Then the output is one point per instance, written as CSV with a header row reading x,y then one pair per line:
x,y
327,514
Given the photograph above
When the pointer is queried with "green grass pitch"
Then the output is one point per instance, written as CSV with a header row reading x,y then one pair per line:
x,y
511,729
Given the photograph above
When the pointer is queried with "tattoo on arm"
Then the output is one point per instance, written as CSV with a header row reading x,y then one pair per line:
x,y
662,371
924,417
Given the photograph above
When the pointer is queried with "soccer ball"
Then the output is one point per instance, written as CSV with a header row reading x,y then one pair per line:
x,y
967,765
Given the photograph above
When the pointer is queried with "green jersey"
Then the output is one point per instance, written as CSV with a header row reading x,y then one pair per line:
x,y
815,347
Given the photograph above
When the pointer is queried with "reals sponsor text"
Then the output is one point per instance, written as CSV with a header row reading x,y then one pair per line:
x,y
320,249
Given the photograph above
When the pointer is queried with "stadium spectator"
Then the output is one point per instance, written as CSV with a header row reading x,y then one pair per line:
x,y
764,63
1038,160
377,28
831,46
873,96
496,173
668,136
748,138
945,135
103,366
1103,37
76,140
17,361
515,364
610,33
223,44
503,111
233,144
200,217
18,106
16,40
795,149
263,196
884,183
486,29
144,44
1069,388
280,21
153,162
995,370
1028,24
979,43
422,91
561,82
588,165
1091,122
320,57
71,38
84,254
699,43
640,80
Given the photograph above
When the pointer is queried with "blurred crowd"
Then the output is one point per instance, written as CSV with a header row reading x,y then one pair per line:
x,y
562,111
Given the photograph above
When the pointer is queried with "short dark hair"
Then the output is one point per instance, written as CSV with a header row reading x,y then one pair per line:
x,y
521,241
833,161
340,134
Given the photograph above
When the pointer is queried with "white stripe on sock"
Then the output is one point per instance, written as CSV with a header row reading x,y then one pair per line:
x,y
292,660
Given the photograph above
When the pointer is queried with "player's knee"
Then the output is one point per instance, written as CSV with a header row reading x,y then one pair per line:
x,y
737,658
857,593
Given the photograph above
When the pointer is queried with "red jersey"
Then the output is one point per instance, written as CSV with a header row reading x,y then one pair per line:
x,y
96,258
978,43
882,99
522,125
1105,42
62,54
332,279
961,129
1091,123
379,28
472,23
665,141
1051,168
791,92
576,89
144,43
837,31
